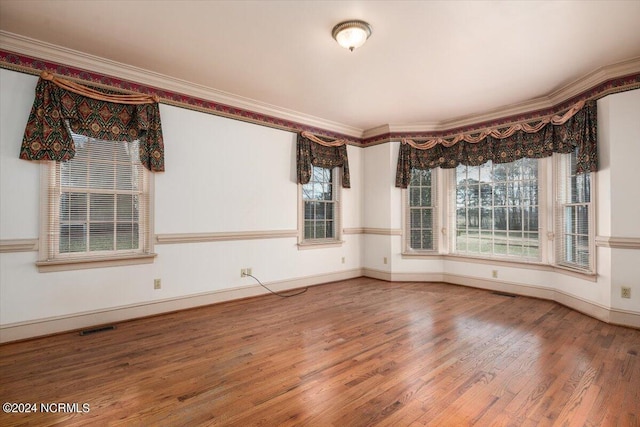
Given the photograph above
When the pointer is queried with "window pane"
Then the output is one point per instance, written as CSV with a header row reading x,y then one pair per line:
x,y
461,218
101,237
582,219
416,239
102,176
329,210
473,195
309,230
125,177
309,210
327,192
473,218
127,236
427,220
427,239
486,195
127,207
415,177
73,238
414,196
73,206
500,194
415,218
102,207
515,219
329,229
486,219
320,230
425,200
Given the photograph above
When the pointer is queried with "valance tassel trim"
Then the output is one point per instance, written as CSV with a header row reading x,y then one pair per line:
x,y
312,150
60,104
575,130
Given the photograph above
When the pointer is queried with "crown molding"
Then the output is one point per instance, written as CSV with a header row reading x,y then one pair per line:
x,y
225,104
73,58
554,99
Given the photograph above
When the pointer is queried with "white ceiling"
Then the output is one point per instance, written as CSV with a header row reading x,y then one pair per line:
x,y
426,62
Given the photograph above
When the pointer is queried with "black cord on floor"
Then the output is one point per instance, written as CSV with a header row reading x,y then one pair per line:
x,y
276,293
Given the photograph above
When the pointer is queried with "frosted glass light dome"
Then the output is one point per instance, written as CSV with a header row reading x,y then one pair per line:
x,y
351,34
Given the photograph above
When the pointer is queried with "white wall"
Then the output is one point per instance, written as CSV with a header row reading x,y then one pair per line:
x,y
222,175
225,175
619,193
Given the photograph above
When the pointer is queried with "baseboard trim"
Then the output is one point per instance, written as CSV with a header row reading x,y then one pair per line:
x,y
402,277
59,324
589,308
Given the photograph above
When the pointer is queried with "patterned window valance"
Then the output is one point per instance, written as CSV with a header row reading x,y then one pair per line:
x,y
92,113
575,129
321,152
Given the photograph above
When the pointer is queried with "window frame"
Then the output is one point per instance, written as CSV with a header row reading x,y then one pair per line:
x,y
548,185
50,259
541,183
436,218
334,241
560,168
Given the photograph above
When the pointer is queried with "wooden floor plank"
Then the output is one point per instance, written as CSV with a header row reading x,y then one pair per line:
x,y
361,352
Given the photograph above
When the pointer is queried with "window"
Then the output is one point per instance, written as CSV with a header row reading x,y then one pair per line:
x,y
574,242
496,210
320,206
421,213
98,203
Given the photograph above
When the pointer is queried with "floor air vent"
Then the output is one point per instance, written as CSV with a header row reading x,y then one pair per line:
x,y
96,330
504,294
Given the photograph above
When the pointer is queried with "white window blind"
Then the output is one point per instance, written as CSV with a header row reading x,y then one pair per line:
x,y
574,238
421,232
98,201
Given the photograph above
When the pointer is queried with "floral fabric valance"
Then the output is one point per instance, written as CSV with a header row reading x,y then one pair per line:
x,y
91,113
576,129
321,152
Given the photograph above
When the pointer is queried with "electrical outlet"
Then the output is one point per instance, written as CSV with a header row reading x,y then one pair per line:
x,y
343,260
157,284
245,272
385,260
494,274
625,292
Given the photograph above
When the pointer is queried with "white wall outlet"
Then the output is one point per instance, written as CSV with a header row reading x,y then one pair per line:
x,y
245,272
625,292
343,260
385,260
157,284
494,274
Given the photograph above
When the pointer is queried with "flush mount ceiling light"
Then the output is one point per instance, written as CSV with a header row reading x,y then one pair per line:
x,y
351,34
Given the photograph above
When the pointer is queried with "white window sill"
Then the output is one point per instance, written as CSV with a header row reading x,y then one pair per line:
x,y
585,275
86,263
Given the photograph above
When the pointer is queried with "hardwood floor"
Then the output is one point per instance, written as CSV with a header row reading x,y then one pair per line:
x,y
356,353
